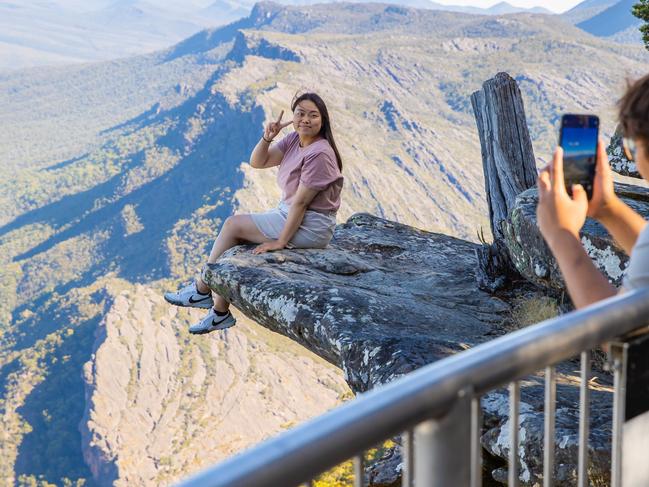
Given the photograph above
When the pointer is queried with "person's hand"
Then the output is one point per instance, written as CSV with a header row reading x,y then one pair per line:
x,y
604,197
557,212
268,247
274,128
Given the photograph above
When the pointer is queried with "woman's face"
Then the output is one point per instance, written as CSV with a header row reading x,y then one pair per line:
x,y
306,119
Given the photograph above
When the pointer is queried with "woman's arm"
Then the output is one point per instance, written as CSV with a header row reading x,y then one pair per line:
x,y
299,205
263,155
620,220
586,284
624,224
560,217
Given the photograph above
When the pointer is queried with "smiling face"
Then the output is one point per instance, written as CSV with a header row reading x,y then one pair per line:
x,y
307,120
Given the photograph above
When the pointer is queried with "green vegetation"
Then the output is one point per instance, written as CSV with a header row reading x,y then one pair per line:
x,y
343,474
43,398
531,310
641,10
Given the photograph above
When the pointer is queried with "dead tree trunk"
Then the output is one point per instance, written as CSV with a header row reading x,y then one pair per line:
x,y
508,164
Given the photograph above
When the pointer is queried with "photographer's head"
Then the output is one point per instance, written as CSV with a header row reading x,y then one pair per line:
x,y
634,119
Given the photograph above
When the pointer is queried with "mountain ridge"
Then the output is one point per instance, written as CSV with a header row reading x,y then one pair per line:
x,y
67,32
613,20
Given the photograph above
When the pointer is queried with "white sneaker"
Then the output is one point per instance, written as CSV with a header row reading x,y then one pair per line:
x,y
190,297
212,322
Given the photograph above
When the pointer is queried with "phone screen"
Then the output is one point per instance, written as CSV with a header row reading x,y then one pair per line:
x,y
579,135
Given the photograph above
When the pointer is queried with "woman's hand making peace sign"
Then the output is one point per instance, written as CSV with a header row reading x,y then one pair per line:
x,y
274,128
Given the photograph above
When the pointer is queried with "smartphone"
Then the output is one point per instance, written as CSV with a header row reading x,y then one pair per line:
x,y
578,138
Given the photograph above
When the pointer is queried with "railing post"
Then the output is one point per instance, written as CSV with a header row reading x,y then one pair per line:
x,y
443,448
631,411
549,426
407,453
514,414
584,420
618,356
359,471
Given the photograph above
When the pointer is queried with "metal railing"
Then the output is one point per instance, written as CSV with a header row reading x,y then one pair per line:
x,y
437,409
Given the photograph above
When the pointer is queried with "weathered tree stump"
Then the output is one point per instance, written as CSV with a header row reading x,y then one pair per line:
x,y
509,167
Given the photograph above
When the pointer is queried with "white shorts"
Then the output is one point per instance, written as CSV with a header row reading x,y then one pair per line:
x,y
315,231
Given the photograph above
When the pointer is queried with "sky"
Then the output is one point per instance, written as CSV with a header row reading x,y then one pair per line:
x,y
558,6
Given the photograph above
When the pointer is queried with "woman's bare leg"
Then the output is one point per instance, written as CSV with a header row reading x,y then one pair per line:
x,y
236,230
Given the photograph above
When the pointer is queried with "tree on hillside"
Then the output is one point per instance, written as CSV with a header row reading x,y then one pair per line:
x,y
641,10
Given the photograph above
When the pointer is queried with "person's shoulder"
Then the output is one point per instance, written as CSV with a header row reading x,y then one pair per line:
x,y
292,138
321,146
288,142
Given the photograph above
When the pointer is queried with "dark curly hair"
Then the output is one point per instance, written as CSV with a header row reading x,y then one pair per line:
x,y
634,110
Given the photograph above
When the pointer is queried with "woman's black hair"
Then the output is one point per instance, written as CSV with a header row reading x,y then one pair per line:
x,y
325,130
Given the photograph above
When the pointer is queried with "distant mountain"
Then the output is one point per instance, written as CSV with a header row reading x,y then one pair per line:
x,y
506,8
586,10
613,20
51,32
144,17
63,31
226,9
501,8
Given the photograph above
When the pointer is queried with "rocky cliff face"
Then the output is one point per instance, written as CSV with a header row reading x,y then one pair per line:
x,y
161,404
382,300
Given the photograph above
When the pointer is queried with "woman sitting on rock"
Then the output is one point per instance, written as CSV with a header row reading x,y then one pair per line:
x,y
561,217
311,181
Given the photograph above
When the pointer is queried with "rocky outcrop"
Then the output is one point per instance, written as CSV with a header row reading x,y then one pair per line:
x,y
384,299
617,158
532,257
258,46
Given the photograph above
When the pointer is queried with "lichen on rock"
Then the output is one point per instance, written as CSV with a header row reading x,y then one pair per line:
x,y
382,300
532,257
617,158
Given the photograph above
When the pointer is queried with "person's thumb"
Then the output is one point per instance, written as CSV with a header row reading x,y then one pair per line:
x,y
579,194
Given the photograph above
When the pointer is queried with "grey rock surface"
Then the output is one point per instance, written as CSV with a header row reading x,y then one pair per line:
x,y
384,299
618,160
495,439
532,257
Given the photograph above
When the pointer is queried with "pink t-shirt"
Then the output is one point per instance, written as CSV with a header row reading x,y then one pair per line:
x,y
315,167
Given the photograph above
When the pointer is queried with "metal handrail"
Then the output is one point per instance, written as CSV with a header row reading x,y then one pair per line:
x,y
305,451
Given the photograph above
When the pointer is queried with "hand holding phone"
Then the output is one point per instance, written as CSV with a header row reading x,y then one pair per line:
x,y
578,139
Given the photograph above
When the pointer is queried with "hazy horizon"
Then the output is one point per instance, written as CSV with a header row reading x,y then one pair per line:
x,y
558,6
